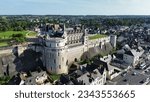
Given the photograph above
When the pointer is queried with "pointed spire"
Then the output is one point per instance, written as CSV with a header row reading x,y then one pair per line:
x,y
64,31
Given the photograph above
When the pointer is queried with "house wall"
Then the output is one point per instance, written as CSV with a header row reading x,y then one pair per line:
x,y
100,81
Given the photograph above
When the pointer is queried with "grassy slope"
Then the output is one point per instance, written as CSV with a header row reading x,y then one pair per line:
x,y
6,36
32,33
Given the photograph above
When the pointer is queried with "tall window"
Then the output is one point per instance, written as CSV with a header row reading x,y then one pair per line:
x,y
67,62
51,67
59,66
54,60
57,44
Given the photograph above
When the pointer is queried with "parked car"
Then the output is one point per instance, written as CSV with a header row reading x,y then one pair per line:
x,y
143,65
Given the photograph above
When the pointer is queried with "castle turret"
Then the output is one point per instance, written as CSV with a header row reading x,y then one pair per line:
x,y
56,61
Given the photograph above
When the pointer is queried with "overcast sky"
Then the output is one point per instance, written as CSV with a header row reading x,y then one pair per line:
x,y
75,7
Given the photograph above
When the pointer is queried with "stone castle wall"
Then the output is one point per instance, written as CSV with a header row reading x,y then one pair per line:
x,y
9,50
57,56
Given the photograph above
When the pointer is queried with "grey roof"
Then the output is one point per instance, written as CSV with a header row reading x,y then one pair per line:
x,y
32,79
129,53
122,51
88,78
84,79
133,52
132,78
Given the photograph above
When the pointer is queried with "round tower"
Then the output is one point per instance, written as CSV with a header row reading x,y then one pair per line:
x,y
56,61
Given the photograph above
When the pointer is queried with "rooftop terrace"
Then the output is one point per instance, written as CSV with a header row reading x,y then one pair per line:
x,y
97,36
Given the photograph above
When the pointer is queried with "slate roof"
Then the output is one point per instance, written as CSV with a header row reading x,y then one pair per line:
x,y
88,78
129,53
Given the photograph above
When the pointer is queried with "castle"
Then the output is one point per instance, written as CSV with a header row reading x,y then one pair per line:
x,y
62,46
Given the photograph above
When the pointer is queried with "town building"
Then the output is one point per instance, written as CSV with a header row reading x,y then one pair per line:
x,y
132,56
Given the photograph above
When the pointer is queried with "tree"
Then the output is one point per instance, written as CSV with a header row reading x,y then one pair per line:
x,y
18,38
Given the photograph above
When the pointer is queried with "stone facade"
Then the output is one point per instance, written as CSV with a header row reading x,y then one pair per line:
x,y
113,40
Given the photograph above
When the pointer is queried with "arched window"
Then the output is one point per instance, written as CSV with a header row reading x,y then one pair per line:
x,y
75,59
59,66
67,62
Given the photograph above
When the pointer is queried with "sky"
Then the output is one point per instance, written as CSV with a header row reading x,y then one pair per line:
x,y
75,7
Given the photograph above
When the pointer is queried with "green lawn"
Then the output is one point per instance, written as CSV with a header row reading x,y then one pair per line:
x,y
7,34
97,36
32,34
5,37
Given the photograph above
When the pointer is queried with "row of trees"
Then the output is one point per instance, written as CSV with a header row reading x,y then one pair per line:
x,y
19,24
93,23
100,23
123,22
14,24
18,38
